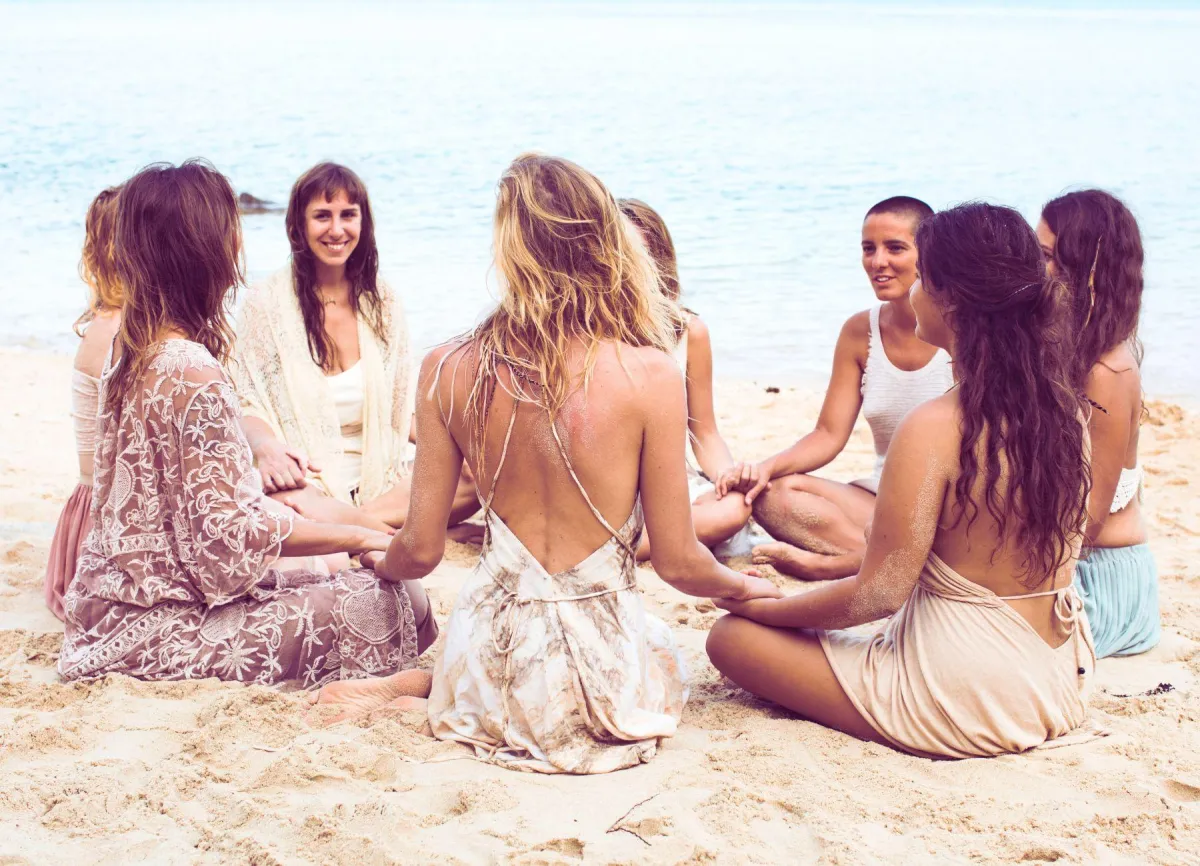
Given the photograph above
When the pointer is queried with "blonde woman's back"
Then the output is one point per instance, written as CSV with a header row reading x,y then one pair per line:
x,y
601,431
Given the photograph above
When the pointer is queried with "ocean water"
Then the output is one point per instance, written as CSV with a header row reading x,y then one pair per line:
x,y
761,131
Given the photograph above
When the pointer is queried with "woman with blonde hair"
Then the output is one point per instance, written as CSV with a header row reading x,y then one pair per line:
x,y
568,405
177,578
96,328
321,364
714,518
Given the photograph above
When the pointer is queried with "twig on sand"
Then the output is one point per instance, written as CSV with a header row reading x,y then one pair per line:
x,y
630,832
616,825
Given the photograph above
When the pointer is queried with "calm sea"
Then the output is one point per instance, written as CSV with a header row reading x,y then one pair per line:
x,y
762,132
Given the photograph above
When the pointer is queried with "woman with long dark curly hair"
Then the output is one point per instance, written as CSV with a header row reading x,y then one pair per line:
x,y
1093,244
977,527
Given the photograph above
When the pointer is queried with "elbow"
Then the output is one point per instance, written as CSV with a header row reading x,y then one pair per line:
x,y
414,562
876,607
677,569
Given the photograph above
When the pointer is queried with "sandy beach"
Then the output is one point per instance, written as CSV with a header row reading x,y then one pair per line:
x,y
119,771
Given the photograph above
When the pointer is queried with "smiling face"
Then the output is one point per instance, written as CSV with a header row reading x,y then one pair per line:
x,y
889,254
332,228
1047,239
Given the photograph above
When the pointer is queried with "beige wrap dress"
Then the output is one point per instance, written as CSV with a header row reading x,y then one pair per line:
x,y
958,673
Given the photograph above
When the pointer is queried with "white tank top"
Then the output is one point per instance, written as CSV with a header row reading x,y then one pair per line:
x,y
347,388
890,393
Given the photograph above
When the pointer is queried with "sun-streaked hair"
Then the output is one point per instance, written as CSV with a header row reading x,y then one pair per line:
x,y
570,267
96,265
179,255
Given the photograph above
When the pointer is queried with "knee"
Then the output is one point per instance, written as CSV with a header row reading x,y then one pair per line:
x,y
722,642
422,609
789,495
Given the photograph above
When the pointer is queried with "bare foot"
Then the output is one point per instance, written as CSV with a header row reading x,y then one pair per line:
x,y
804,564
359,697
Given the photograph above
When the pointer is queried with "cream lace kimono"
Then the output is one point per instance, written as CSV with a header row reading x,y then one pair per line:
x,y
278,382
175,579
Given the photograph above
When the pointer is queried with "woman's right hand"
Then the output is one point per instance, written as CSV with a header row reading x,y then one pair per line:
x,y
282,467
748,478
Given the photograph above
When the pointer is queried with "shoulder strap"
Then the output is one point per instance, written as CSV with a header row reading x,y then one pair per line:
x,y
512,420
579,484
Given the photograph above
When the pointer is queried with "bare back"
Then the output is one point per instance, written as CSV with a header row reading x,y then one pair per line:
x,y
1115,387
601,430
916,512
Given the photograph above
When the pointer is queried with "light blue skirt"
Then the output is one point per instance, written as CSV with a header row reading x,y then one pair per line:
x,y
1119,586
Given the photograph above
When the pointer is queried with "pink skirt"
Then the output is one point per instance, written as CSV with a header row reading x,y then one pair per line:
x,y
73,526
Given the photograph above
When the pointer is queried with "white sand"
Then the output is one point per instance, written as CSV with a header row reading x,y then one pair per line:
x,y
119,771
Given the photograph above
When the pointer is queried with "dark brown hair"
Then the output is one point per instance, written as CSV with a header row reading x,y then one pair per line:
x,y
902,205
96,265
658,242
327,179
1098,253
178,253
982,264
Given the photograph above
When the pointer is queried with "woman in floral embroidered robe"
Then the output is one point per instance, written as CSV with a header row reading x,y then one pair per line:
x,y
176,580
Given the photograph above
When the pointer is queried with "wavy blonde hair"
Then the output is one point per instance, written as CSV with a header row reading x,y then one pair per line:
x,y
97,267
571,267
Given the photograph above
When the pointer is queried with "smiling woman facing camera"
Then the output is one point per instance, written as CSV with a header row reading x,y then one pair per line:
x,y
976,531
322,364
881,367
177,580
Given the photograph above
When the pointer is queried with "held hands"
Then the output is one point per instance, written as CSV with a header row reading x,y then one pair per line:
x,y
370,543
757,593
282,467
748,478
754,585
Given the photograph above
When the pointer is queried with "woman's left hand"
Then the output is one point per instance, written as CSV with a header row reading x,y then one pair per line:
x,y
747,608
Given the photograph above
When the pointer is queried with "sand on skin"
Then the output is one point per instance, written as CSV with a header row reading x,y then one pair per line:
x,y
204,772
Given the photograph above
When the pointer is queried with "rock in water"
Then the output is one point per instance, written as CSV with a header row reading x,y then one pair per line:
x,y
249,204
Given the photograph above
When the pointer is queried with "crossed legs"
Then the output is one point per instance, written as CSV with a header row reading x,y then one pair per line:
x,y
715,520
819,524
788,667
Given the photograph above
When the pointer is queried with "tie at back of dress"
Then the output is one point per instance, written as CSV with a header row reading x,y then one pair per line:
x,y
939,579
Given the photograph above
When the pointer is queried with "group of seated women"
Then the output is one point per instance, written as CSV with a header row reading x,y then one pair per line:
x,y
231,471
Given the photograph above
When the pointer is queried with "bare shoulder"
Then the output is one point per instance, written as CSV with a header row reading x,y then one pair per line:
x,y
1115,382
932,428
856,333
97,339
697,332
441,360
